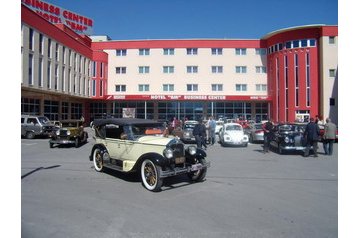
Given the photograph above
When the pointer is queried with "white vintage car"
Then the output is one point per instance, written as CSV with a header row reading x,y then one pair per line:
x,y
138,145
233,134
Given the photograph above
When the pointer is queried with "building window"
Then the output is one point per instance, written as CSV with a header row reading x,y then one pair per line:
x,y
216,51
241,87
143,69
261,51
56,53
40,73
121,70
63,79
31,66
191,87
121,88
143,87
56,77
49,55
41,43
49,74
216,87
168,69
261,87
332,73
240,51
296,80
260,69
102,70
121,52
93,87
31,39
308,81
143,51
192,51
192,69
216,69
312,42
168,51
101,88
241,69
94,68
168,87
332,101
331,40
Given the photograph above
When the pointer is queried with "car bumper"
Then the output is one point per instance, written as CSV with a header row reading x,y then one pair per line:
x,y
184,170
292,148
62,141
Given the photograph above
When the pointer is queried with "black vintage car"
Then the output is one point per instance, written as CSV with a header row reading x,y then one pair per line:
x,y
288,137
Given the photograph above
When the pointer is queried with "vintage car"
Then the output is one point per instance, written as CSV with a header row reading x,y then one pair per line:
x,y
70,132
139,145
255,132
288,137
233,134
188,127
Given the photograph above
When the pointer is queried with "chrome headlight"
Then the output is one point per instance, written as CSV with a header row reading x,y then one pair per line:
x,y
192,150
287,139
68,133
58,132
168,153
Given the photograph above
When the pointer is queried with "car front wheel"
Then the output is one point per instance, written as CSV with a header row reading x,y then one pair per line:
x,y
150,174
97,160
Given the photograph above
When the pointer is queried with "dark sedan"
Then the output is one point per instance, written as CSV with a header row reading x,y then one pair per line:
x,y
288,137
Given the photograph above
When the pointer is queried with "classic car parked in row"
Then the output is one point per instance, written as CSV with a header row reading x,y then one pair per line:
x,y
233,134
70,132
129,145
288,137
188,127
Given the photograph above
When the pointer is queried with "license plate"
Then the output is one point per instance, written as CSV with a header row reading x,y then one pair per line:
x,y
179,160
196,167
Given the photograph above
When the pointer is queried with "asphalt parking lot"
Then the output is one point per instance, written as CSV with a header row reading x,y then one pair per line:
x,y
246,194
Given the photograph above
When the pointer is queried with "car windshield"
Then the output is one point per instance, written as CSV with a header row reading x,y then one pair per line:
x,y
233,128
189,125
69,124
44,120
147,129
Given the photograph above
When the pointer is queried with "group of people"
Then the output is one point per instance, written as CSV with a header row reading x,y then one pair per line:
x,y
311,134
199,132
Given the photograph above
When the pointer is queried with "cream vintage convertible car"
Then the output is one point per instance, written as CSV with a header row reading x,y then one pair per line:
x,y
130,145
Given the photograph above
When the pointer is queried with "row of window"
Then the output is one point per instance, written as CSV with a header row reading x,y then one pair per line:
x,y
191,87
292,44
192,69
192,51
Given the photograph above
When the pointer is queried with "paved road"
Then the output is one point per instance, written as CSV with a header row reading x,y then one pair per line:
x,y
246,194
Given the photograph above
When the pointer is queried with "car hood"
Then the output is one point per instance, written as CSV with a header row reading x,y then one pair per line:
x,y
235,133
155,140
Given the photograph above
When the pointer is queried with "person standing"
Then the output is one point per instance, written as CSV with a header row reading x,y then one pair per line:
x,y
312,135
212,126
199,132
267,127
329,136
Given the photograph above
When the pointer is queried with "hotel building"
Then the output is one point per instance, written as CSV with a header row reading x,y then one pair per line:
x,y
286,75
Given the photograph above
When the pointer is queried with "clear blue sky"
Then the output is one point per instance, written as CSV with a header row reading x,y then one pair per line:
x,y
178,19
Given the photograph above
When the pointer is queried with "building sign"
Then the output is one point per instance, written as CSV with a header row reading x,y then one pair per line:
x,y
55,14
189,97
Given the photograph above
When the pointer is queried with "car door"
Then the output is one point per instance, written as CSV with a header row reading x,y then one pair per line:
x,y
113,142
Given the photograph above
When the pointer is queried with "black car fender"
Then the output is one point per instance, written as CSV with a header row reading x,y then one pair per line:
x,y
155,158
101,147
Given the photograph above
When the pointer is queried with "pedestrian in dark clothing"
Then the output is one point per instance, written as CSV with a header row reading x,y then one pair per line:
x,y
329,136
312,136
267,127
199,132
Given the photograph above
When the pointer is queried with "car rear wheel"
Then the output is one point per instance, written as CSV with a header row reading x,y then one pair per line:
x,y
97,160
30,135
150,174
199,175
